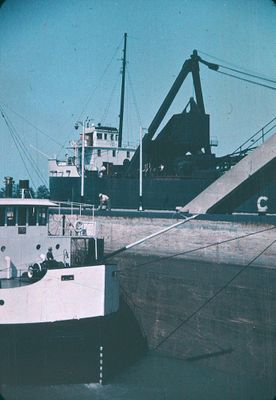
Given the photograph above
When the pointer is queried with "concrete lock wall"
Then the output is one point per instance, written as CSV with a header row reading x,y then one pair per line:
x,y
164,290
241,244
211,241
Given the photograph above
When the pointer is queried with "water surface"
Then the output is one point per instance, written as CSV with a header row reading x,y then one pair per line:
x,y
154,377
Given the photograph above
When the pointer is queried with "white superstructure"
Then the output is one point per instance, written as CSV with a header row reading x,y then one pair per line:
x,y
50,277
101,153
25,237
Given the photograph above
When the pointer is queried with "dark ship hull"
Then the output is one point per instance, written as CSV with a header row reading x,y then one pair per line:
x,y
76,351
159,193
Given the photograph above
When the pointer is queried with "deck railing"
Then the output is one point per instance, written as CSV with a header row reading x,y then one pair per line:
x,y
75,208
256,139
67,219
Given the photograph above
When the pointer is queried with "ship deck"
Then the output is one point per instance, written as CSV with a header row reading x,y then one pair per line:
x,y
14,283
168,214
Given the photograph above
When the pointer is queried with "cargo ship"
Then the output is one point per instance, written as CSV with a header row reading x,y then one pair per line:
x,y
169,168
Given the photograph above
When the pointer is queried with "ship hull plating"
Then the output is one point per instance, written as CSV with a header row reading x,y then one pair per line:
x,y
160,193
87,350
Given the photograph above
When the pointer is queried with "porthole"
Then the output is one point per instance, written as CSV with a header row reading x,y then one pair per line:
x,y
57,246
2,302
38,246
3,248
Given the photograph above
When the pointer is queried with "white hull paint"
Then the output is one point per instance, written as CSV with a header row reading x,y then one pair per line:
x,y
62,294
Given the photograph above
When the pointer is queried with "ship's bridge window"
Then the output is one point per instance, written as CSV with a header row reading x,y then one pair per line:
x,y
99,135
22,216
111,136
116,137
32,216
99,152
128,154
105,136
42,216
11,216
113,153
2,216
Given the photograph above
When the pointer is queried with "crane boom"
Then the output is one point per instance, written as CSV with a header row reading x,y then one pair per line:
x,y
190,65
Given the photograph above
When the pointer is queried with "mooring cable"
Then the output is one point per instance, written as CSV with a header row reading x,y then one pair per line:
x,y
221,289
200,248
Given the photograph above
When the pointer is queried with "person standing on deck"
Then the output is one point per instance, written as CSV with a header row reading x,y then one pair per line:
x,y
49,254
104,202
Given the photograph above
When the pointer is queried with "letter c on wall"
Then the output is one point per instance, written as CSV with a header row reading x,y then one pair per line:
x,y
261,204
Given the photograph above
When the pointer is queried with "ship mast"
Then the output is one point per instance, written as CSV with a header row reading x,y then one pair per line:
x,y
121,115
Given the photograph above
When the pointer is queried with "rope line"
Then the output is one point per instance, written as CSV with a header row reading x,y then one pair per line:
x,y
220,290
246,80
107,108
247,74
201,248
134,98
101,78
93,91
17,146
20,144
31,124
235,68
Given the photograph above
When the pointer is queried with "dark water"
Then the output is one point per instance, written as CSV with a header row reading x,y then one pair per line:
x,y
154,377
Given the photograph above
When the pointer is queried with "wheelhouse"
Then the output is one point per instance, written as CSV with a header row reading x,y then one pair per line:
x,y
24,212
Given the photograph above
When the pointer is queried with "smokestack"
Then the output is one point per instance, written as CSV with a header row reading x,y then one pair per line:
x,y
8,186
23,185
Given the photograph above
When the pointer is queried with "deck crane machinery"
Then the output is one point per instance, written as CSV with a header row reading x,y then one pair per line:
x,y
185,133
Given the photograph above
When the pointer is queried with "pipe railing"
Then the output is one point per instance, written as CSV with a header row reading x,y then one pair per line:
x,y
74,206
255,138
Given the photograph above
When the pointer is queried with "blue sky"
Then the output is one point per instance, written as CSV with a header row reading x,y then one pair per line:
x,y
60,61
